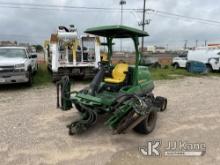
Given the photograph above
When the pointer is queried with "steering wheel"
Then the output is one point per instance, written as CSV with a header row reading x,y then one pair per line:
x,y
105,65
122,61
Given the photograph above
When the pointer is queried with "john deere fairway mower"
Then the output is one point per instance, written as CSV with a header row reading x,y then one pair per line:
x,y
122,92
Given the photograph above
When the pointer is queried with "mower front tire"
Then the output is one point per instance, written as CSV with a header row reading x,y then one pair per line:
x,y
79,108
148,124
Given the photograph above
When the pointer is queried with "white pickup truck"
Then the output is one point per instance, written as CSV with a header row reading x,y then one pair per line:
x,y
17,65
180,61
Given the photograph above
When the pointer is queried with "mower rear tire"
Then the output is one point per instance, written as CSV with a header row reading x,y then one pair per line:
x,y
161,102
148,124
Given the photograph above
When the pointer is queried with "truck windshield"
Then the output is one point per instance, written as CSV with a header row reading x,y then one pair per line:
x,y
12,53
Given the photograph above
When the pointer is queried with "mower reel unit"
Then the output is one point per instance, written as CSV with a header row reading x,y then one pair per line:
x,y
123,91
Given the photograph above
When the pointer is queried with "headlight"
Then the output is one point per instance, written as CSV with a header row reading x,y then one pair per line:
x,y
19,66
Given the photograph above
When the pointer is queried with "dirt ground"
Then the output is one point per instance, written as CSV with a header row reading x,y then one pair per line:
x,y
33,132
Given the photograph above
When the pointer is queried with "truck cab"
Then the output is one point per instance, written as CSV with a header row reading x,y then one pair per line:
x,y
215,63
17,65
180,61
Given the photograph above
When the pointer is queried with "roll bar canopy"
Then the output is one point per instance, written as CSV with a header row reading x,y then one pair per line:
x,y
116,31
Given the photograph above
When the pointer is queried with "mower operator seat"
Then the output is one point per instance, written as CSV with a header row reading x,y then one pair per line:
x,y
118,74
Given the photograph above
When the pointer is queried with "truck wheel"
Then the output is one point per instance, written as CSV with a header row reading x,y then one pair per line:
x,y
176,66
188,67
30,78
148,124
157,65
208,69
35,71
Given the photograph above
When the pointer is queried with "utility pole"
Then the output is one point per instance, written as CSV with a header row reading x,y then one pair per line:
x,y
197,43
205,42
167,47
143,24
122,3
185,45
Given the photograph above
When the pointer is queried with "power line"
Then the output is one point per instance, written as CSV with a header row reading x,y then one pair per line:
x,y
186,20
188,17
63,6
22,36
105,9
53,9
173,15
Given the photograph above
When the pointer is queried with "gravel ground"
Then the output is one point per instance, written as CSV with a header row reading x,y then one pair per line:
x,y
32,130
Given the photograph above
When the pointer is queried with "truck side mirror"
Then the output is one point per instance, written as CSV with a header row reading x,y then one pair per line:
x,y
33,56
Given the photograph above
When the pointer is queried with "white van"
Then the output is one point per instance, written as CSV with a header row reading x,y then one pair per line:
x,y
203,55
210,57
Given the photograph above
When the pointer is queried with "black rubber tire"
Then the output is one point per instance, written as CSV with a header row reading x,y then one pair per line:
x,y
55,78
161,102
164,105
148,124
188,67
208,69
176,66
35,72
30,78
157,65
79,108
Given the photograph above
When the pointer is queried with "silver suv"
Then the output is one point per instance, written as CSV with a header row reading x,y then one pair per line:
x,y
17,65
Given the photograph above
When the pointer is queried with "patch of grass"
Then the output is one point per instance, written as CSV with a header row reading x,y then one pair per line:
x,y
217,74
170,73
42,77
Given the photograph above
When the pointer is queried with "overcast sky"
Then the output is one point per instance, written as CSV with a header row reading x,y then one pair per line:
x,y
36,25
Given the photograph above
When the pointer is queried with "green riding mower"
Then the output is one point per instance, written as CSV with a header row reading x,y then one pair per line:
x,y
121,92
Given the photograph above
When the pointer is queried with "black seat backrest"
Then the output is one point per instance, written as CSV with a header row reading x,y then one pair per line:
x,y
129,77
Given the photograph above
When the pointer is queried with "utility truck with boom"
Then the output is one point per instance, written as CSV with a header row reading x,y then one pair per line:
x,y
73,56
